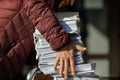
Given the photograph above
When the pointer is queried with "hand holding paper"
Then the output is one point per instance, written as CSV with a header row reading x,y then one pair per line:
x,y
65,56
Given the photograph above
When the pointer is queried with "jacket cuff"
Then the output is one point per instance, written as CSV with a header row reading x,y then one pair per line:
x,y
60,43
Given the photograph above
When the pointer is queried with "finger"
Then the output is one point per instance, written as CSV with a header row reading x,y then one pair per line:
x,y
61,67
66,67
67,2
62,3
55,64
72,65
81,48
72,2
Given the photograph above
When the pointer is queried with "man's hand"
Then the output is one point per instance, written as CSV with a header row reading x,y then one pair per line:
x,y
66,2
65,57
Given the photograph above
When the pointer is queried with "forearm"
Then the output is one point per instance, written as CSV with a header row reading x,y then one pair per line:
x,y
43,17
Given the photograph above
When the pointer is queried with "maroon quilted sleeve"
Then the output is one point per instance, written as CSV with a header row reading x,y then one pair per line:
x,y
43,18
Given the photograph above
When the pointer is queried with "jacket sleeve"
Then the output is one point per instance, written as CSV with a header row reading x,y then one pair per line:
x,y
43,18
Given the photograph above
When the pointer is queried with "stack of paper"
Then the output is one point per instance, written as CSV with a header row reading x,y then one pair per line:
x,y
69,20
47,56
84,76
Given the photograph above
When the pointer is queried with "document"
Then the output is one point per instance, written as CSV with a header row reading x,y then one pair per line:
x,y
48,56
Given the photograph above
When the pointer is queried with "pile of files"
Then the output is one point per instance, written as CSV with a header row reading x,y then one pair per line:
x,y
47,56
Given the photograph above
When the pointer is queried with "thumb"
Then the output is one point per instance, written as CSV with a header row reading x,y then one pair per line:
x,y
79,47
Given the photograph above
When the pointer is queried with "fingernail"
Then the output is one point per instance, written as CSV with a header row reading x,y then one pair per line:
x,y
60,75
84,48
66,77
73,74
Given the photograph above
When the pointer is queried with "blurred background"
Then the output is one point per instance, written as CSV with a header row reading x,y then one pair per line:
x,y
100,31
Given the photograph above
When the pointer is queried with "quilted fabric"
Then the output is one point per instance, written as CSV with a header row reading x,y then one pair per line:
x,y
42,16
16,42
17,21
